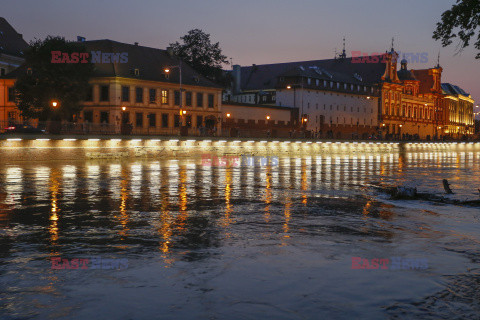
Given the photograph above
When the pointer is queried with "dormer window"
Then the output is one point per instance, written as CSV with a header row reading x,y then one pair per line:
x,y
136,72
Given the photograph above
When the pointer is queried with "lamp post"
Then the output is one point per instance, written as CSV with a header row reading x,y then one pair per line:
x,y
294,86
167,71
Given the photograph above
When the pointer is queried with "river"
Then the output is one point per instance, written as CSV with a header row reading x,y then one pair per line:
x,y
183,239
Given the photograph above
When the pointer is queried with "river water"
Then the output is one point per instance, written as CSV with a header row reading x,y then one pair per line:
x,y
263,241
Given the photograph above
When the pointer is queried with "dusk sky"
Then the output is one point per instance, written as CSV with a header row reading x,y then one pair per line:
x,y
260,31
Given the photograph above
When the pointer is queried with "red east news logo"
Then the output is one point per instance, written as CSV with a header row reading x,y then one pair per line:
x,y
82,57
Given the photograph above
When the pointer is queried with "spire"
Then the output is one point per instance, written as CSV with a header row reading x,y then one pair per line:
x,y
335,53
344,53
438,59
393,46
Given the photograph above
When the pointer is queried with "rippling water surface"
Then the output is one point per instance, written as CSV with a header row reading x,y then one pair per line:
x,y
270,242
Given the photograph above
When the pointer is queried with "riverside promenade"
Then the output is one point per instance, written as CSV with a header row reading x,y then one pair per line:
x,y
15,148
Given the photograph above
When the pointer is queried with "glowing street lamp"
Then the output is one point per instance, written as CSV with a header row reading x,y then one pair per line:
x,y
55,104
268,117
124,108
228,115
167,71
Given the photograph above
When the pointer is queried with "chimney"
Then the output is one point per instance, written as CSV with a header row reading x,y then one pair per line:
x,y
136,43
236,75
170,51
80,39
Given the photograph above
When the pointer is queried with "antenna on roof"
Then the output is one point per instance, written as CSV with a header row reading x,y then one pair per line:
x,y
335,53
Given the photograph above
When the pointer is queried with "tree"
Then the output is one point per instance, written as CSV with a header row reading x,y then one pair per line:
x,y
198,51
461,21
40,82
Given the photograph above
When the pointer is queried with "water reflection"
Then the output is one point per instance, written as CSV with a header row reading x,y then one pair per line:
x,y
183,211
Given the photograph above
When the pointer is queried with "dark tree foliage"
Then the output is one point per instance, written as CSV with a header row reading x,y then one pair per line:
x,y
462,21
202,55
40,81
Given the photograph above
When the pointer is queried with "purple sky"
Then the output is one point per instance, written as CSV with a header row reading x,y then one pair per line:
x,y
260,31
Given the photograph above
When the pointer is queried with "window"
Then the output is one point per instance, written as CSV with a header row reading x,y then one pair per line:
x,y
188,121
139,119
2,72
89,94
139,95
210,100
199,100
153,95
309,81
104,93
88,116
199,121
125,94
317,82
176,97
176,121
11,94
188,99
152,120
12,115
164,96
104,117
164,120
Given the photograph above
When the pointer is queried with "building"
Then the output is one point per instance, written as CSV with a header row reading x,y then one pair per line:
x,y
347,97
139,96
411,100
459,112
331,104
12,46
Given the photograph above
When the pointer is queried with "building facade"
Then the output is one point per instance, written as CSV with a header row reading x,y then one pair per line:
x,y
354,98
459,112
331,104
139,96
411,101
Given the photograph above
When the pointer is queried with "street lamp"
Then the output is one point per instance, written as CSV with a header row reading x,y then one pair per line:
x,y
268,117
167,70
55,103
228,115
124,108
294,96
